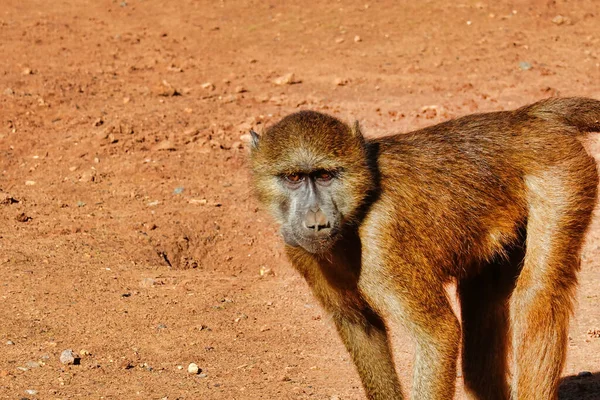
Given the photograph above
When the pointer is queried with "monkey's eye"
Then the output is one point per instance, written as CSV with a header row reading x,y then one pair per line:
x,y
324,176
294,178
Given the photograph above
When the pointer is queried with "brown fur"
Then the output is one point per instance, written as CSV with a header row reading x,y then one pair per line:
x,y
497,202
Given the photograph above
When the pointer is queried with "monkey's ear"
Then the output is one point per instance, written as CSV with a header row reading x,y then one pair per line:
x,y
356,129
255,139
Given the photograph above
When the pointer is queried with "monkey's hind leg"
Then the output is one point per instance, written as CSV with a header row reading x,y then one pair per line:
x,y
561,201
485,326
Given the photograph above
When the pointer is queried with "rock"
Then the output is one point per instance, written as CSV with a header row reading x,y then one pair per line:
x,y
9,92
240,89
208,86
68,357
357,39
340,81
560,20
22,217
287,79
10,343
178,190
88,176
584,374
524,66
193,369
32,364
27,71
339,40
165,145
98,122
6,199
147,282
29,183
198,201
31,392
126,364
166,90
84,353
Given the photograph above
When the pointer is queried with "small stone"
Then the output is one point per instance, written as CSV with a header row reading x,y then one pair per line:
x,y
560,20
584,374
68,357
99,122
10,343
153,203
147,282
9,92
80,204
32,364
524,66
178,190
357,39
208,86
22,217
165,145
126,364
31,392
340,81
29,183
126,100
84,353
193,369
88,176
339,40
27,71
240,89
202,202
287,79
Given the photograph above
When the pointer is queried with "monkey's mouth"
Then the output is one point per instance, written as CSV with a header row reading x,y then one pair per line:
x,y
316,244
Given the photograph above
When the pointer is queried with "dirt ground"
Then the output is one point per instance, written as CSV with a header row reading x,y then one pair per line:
x,y
128,232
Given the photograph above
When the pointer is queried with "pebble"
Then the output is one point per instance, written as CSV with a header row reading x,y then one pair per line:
x,y
198,201
27,71
357,39
240,89
9,92
560,20
68,357
10,343
31,392
178,190
340,81
524,66
29,183
165,145
208,86
147,282
22,217
32,364
193,369
286,79
339,40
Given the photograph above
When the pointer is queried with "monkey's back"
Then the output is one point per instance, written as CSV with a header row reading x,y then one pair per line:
x,y
461,184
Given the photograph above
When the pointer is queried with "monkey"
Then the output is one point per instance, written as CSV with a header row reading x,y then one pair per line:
x,y
497,203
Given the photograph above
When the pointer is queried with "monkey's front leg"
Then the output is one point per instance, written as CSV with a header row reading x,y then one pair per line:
x,y
428,315
365,336
363,332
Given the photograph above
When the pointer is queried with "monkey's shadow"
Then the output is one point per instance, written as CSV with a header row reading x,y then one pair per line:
x,y
580,387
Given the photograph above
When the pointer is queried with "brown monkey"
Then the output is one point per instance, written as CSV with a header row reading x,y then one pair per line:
x,y
497,202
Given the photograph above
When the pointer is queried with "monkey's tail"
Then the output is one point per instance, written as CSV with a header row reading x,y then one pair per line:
x,y
579,112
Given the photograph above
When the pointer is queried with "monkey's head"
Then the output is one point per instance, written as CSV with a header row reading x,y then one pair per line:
x,y
311,171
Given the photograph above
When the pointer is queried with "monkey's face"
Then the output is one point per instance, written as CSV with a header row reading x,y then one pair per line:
x,y
310,170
